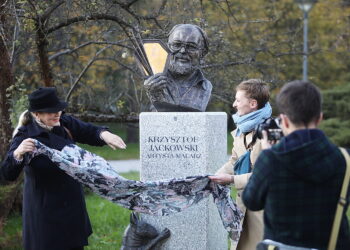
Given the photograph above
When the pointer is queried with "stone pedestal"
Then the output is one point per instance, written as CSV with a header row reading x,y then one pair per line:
x,y
176,144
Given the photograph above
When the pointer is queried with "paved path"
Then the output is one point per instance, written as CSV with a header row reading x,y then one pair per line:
x,y
123,166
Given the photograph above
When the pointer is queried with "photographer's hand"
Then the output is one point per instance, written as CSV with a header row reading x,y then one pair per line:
x,y
265,143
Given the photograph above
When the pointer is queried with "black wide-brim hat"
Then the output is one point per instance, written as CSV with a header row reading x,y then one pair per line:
x,y
45,100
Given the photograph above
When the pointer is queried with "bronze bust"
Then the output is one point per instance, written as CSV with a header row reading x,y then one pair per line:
x,y
182,86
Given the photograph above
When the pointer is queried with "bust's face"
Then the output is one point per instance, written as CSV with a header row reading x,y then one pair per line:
x,y
185,43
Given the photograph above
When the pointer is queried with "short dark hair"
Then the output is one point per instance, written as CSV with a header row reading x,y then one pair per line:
x,y
256,89
301,101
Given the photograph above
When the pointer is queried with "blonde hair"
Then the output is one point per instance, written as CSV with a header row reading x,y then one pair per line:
x,y
23,120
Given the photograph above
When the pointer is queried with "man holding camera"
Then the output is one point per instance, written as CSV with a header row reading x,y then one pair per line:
x,y
252,106
298,181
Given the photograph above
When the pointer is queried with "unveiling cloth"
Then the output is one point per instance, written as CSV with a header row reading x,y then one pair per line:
x,y
160,198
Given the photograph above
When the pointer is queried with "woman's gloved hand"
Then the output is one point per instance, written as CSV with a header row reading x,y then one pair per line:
x,y
26,145
112,140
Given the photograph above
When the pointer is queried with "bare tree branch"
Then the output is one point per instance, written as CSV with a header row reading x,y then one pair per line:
x,y
70,51
16,31
106,17
135,91
3,5
227,64
131,3
87,66
34,7
127,6
131,99
123,65
49,11
114,100
221,98
3,38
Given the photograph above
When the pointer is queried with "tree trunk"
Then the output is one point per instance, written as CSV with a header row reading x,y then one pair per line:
x,y
132,132
44,64
6,80
8,193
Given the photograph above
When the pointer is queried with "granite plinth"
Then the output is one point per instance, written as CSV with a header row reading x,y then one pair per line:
x,y
179,144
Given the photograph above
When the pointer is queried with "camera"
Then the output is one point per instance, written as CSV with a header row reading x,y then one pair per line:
x,y
271,126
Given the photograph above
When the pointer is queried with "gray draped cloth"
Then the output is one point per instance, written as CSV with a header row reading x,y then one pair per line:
x,y
160,198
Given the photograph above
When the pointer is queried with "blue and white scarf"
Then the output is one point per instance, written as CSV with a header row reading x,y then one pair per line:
x,y
250,121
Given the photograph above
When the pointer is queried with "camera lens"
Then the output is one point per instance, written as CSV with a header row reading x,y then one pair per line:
x,y
272,128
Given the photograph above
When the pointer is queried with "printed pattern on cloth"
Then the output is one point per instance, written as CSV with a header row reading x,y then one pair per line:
x,y
160,198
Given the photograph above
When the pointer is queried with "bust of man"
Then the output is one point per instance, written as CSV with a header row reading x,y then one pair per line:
x,y
182,86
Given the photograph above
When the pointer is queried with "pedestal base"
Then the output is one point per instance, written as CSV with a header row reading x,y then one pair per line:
x,y
173,145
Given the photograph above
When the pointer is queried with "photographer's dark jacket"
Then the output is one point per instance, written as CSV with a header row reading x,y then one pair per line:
x,y
297,182
54,211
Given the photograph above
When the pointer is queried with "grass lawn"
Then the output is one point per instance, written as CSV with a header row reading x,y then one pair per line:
x,y
131,152
108,220
11,238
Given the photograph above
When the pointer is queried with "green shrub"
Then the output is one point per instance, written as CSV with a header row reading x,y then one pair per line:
x,y
337,130
11,239
336,102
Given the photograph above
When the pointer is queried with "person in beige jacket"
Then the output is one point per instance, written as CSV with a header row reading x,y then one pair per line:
x,y
251,102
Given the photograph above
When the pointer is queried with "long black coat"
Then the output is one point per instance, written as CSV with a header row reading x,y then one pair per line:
x,y
54,211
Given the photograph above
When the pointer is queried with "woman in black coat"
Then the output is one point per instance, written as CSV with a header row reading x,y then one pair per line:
x,y
54,211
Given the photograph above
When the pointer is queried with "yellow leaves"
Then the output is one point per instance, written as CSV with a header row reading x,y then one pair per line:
x,y
120,104
29,25
146,32
40,11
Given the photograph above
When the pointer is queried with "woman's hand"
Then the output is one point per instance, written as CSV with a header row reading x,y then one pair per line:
x,y
26,145
222,179
112,140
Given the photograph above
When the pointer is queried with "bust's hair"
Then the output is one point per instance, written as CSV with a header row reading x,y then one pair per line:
x,y
205,48
256,89
301,101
